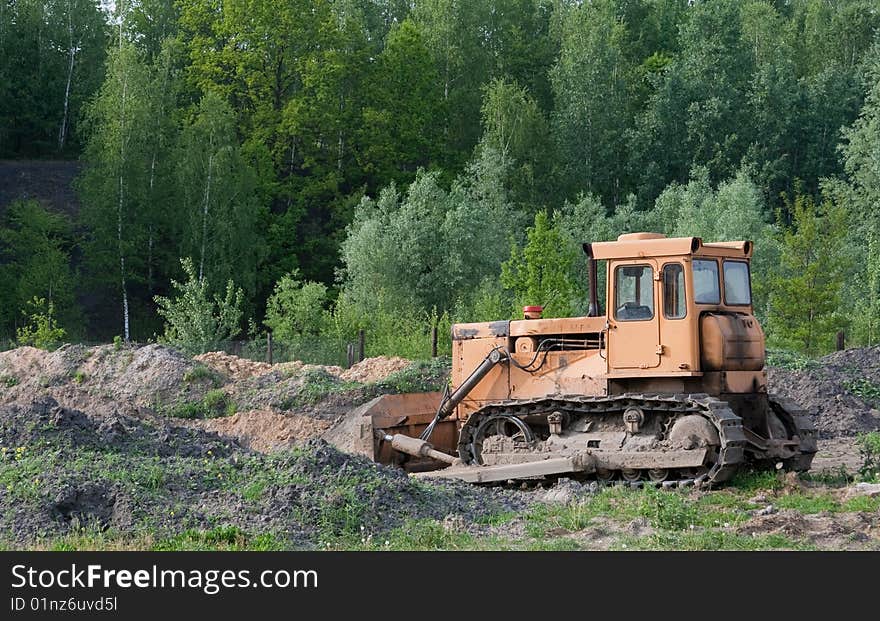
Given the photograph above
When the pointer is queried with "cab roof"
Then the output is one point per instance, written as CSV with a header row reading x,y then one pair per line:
x,y
645,245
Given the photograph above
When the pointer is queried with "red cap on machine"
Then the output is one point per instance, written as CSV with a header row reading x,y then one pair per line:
x,y
533,312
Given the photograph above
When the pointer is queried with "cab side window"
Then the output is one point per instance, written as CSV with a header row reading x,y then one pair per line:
x,y
706,287
674,306
633,293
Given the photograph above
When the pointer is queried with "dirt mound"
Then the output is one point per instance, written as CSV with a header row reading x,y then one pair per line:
x,y
233,366
134,379
265,430
832,530
65,470
374,369
841,391
297,367
364,372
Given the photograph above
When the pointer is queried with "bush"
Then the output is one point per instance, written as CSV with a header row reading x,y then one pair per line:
x,y
869,449
296,308
43,330
193,320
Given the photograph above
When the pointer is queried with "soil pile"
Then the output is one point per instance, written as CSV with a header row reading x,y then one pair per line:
x,y
233,366
840,390
64,470
279,406
374,369
134,378
265,430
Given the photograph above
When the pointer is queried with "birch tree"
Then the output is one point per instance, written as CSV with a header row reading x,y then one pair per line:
x,y
82,39
218,199
116,176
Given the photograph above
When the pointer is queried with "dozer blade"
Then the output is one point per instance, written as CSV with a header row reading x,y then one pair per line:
x,y
407,414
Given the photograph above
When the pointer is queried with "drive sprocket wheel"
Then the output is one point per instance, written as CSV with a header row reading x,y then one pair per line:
x,y
503,425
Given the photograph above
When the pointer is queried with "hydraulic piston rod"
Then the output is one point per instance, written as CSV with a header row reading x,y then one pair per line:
x,y
495,357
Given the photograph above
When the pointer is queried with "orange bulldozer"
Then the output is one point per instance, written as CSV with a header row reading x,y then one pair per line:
x,y
666,386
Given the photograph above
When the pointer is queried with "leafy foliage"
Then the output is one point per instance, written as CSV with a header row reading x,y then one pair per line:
x,y
195,320
42,329
538,274
394,152
869,449
35,245
805,293
296,308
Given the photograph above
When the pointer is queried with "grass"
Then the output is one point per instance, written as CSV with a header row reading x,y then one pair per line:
x,y
755,480
669,510
345,517
420,376
9,381
214,404
221,538
203,373
863,388
710,540
317,385
792,361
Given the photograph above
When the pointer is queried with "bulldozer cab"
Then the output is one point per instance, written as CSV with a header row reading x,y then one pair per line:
x,y
659,291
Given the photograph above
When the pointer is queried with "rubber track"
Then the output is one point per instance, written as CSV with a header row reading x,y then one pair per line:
x,y
726,422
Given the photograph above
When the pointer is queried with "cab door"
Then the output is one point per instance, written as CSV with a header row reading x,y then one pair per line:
x,y
633,315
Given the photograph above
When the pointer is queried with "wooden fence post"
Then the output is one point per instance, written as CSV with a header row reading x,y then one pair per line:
x,y
360,345
841,340
434,341
269,347
349,355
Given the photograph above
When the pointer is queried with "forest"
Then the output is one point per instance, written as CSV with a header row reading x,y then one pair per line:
x,y
318,167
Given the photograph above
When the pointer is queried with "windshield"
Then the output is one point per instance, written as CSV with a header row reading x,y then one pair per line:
x,y
737,290
706,288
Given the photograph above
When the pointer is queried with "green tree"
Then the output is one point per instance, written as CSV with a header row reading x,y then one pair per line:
x,y
401,131
805,292
115,180
196,321
515,128
696,114
52,53
540,272
429,247
590,85
472,43
734,210
218,196
296,308
861,143
42,329
35,248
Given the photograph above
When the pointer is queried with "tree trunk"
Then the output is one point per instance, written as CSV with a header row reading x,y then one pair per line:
x,y
160,112
205,203
71,53
120,213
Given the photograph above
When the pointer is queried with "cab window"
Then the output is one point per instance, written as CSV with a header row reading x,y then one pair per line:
x,y
737,289
706,287
674,306
633,293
